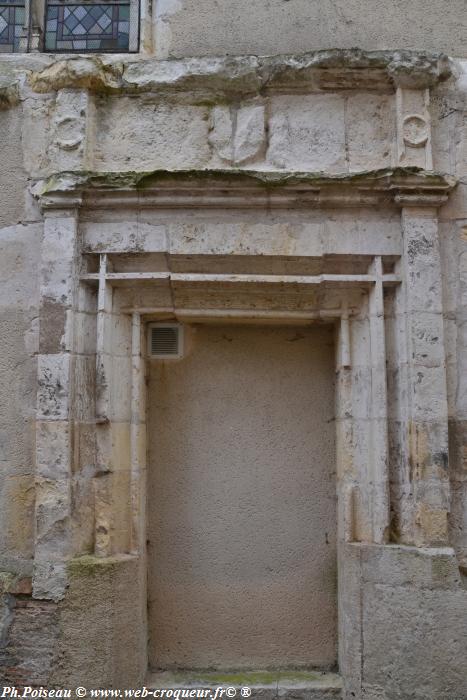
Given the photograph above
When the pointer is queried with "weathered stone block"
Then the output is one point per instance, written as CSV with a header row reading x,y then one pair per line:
x,y
84,332
361,393
119,455
429,393
221,131
427,335
17,516
411,600
92,654
351,233
57,272
36,135
53,327
13,180
53,449
249,135
53,510
84,387
230,238
433,522
168,135
307,133
123,237
53,387
370,124
120,389
50,578
424,291
121,335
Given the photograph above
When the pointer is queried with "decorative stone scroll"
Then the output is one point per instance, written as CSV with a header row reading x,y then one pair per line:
x,y
413,128
69,127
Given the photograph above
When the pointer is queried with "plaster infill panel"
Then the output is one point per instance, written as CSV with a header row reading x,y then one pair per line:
x,y
241,500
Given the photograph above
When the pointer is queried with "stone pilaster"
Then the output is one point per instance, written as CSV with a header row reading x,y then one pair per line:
x,y
54,430
423,428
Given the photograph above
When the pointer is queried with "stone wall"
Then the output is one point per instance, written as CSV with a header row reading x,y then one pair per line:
x,y
189,28
450,148
322,150
404,625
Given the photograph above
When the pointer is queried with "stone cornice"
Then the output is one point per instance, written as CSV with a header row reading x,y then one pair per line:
x,y
242,189
213,77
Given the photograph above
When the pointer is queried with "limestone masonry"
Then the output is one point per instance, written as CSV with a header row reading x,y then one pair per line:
x,y
285,504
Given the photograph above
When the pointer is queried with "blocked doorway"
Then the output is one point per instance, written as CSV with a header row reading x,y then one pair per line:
x,y
242,500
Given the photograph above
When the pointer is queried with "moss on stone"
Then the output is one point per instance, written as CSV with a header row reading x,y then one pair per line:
x,y
7,581
261,677
89,565
242,678
9,93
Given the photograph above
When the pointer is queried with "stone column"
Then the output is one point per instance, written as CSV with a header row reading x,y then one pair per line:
x,y
422,455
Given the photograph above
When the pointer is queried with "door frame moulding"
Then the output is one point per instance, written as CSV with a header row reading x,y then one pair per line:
x,y
243,189
369,289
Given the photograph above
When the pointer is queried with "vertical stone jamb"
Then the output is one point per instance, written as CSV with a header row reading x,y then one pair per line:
x,y
378,457
112,482
103,369
140,25
137,441
346,486
102,488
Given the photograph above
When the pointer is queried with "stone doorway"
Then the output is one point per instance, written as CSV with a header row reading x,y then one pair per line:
x,y
242,512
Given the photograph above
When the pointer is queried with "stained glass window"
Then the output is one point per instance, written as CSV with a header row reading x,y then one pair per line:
x,y
13,36
92,26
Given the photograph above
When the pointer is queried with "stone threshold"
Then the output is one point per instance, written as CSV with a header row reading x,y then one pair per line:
x,y
299,684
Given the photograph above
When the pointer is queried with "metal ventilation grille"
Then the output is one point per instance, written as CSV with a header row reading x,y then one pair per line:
x,y
165,341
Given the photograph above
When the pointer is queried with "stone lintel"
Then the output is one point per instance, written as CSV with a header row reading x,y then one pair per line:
x,y
241,188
